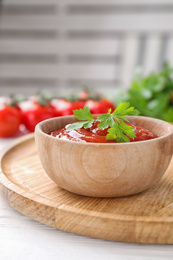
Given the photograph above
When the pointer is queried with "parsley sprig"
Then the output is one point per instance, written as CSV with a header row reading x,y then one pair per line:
x,y
115,122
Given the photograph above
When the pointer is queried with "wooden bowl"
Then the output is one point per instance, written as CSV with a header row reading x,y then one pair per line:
x,y
105,170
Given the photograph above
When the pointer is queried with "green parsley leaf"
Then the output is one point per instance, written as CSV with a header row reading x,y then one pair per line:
x,y
115,122
132,112
121,108
76,125
83,114
116,133
127,130
152,94
123,118
103,117
124,109
106,121
88,124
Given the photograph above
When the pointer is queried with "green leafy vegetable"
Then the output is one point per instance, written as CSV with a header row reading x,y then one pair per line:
x,y
153,95
116,132
117,128
82,114
78,125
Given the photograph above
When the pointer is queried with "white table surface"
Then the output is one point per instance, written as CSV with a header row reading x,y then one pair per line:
x,y
22,238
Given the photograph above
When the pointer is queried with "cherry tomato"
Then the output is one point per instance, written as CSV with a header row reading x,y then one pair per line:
x,y
84,95
9,120
105,105
100,107
78,104
61,107
32,113
93,106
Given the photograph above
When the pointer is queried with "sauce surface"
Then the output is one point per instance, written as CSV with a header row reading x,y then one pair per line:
x,y
94,135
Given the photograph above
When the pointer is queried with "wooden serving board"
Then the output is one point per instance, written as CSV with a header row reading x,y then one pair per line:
x,y
143,218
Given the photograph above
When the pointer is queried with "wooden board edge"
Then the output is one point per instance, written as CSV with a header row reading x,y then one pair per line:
x,y
10,186
29,207
121,228
68,219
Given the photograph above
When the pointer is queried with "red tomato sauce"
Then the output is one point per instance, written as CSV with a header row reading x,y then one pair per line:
x,y
94,135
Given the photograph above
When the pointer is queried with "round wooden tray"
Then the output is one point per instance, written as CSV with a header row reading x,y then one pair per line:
x,y
143,218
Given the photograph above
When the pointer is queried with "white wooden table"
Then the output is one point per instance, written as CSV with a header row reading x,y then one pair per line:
x,y
23,238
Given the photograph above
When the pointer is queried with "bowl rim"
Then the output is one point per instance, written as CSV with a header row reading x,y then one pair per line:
x,y
38,128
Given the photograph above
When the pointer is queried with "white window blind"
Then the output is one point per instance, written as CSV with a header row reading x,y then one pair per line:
x,y
62,45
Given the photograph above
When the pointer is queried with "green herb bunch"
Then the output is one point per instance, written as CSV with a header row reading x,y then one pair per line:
x,y
153,95
115,122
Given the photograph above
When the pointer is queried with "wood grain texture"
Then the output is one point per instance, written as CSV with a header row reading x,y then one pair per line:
x,y
105,170
143,218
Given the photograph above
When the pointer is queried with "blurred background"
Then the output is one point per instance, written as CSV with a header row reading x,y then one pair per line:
x,y
62,45
114,49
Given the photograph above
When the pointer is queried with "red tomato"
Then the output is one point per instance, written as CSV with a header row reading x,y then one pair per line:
x,y
78,104
99,107
105,105
61,107
84,95
93,106
32,113
9,120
